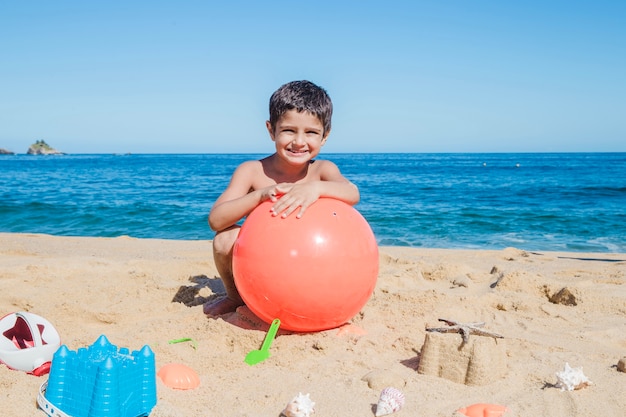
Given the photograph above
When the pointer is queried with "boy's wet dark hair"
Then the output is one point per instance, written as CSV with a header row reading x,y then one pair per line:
x,y
301,96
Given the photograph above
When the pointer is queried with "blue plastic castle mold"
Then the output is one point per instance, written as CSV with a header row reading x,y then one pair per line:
x,y
102,381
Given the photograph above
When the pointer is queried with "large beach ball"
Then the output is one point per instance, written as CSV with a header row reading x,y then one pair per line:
x,y
313,273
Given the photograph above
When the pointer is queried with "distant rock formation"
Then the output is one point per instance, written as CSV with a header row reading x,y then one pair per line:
x,y
42,148
5,152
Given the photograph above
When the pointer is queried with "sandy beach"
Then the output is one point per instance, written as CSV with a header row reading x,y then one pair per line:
x,y
147,292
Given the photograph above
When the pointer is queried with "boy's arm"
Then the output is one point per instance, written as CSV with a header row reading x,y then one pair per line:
x,y
341,190
334,184
237,200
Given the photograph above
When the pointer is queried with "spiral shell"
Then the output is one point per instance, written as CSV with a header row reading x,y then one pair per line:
x,y
300,406
391,400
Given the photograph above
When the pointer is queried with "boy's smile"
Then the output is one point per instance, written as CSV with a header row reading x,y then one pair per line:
x,y
298,136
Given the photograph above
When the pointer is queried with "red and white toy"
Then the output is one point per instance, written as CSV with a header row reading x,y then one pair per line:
x,y
27,342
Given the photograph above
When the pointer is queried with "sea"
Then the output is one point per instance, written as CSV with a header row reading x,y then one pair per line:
x,y
532,201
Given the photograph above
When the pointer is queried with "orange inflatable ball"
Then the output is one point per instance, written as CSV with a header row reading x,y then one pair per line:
x,y
313,273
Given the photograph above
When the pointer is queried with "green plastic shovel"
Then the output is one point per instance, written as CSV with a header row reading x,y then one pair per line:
x,y
256,356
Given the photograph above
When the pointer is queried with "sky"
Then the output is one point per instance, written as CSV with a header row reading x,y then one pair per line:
x,y
404,76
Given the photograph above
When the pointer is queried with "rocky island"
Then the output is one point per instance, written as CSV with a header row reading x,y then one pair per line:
x,y
6,152
42,148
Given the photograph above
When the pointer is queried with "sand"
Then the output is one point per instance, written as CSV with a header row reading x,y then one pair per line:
x,y
145,291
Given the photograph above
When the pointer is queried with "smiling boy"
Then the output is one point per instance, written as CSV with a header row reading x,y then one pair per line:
x,y
299,125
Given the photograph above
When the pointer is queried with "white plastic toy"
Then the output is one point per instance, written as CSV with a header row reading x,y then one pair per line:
x,y
27,342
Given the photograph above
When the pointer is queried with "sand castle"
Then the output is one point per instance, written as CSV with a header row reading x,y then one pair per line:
x,y
465,360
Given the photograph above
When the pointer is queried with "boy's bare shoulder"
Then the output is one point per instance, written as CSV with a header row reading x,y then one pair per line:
x,y
250,166
246,172
324,165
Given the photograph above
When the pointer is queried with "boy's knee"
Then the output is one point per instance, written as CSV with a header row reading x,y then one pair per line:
x,y
224,241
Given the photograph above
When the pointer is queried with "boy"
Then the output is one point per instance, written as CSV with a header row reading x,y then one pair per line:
x,y
299,124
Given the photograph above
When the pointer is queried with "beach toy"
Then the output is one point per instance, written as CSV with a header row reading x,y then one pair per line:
x,y
483,410
313,273
256,356
100,381
27,342
179,376
194,344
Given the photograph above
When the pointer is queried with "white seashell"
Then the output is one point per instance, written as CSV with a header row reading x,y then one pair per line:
x,y
391,400
571,378
300,406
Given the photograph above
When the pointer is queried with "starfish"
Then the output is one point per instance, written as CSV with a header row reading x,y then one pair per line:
x,y
466,329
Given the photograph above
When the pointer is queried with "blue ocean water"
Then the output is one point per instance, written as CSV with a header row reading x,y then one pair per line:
x,y
548,201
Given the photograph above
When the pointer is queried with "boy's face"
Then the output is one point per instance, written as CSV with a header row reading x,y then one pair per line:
x,y
298,136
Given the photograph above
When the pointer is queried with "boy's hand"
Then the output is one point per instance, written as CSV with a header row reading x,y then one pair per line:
x,y
289,197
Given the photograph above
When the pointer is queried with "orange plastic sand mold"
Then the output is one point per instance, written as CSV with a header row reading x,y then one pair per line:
x,y
483,410
179,376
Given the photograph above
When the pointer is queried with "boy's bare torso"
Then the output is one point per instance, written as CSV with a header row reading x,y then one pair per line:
x,y
263,174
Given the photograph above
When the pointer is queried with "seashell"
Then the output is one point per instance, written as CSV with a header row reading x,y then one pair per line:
x,y
391,400
571,378
300,406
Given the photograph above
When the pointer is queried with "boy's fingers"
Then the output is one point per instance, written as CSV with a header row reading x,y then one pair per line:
x,y
288,211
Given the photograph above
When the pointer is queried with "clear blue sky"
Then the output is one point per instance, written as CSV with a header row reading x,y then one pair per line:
x,y
405,76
